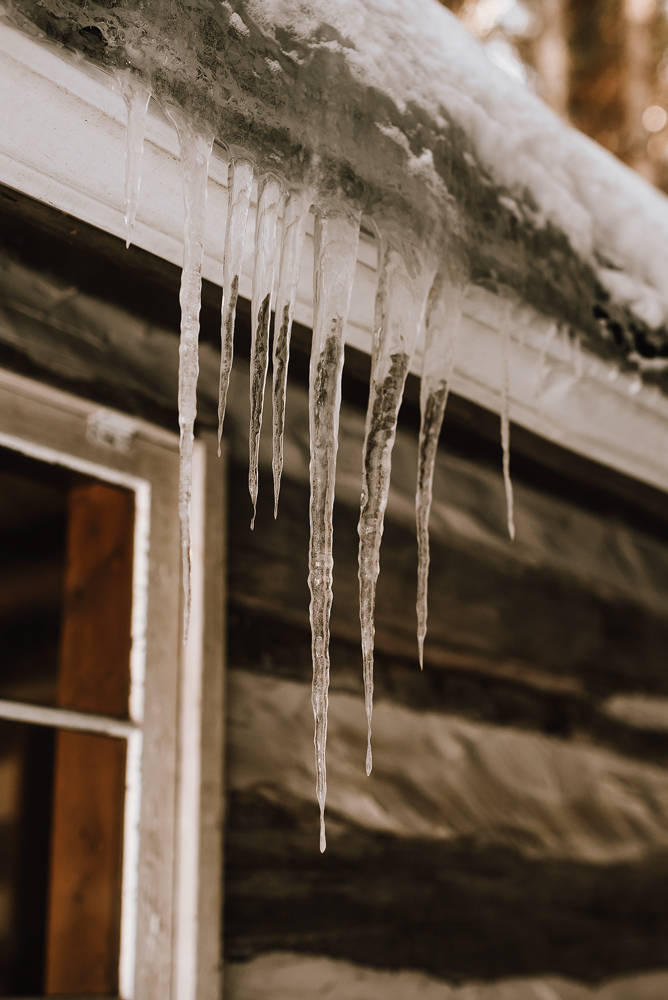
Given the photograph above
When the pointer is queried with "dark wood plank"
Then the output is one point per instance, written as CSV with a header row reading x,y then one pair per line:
x,y
264,644
501,618
456,910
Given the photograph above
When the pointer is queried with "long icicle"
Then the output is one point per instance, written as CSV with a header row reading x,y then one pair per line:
x,y
335,256
136,95
239,184
504,334
195,151
294,223
268,198
400,304
442,326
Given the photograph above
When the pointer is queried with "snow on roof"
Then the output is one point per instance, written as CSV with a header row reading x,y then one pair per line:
x,y
420,54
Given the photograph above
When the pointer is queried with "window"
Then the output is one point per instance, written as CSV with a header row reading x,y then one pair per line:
x,y
108,815
66,616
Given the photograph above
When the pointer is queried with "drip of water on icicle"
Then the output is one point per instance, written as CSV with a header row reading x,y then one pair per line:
x,y
504,336
442,327
335,256
195,151
239,184
294,224
403,285
136,95
268,198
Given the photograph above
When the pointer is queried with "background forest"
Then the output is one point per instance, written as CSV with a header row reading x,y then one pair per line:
x,y
601,64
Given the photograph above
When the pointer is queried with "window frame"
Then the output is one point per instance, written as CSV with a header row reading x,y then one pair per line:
x,y
171,902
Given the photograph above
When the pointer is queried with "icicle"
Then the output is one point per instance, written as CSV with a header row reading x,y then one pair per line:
x,y
268,198
296,210
335,256
504,333
442,326
136,95
400,304
195,151
239,183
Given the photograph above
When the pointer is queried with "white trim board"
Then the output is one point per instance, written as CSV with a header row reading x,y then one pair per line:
x,y
64,718
62,141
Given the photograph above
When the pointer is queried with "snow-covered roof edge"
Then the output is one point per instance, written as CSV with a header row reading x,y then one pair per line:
x,y
399,109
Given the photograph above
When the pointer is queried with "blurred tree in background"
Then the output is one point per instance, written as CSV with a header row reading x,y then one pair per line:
x,y
601,64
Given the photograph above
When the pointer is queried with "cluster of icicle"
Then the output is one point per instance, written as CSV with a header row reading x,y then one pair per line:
x,y
411,297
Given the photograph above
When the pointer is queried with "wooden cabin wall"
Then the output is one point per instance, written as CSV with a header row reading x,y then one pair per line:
x,y
513,826
514,832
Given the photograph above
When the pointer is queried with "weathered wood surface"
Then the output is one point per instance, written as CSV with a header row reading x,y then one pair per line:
x,y
527,641
289,976
440,777
460,911
530,640
472,852
488,610
271,646
58,273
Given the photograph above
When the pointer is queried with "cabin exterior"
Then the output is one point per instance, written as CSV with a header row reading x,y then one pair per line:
x,y
159,817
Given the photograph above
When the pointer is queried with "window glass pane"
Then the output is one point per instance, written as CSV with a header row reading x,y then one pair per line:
x,y
66,550
66,554
26,782
94,669
33,531
83,919
61,828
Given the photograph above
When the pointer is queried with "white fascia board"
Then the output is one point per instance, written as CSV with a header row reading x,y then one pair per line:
x,y
62,141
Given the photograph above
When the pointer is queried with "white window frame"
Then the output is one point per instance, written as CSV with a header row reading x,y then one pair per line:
x,y
172,847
